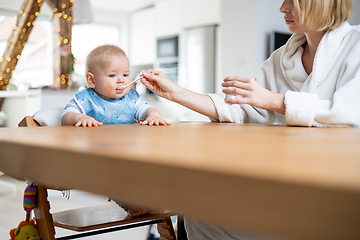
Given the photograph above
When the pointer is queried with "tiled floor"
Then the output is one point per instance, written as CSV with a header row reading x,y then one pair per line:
x,y
12,212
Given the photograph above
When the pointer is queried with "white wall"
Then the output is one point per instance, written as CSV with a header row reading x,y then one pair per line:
x,y
355,16
268,19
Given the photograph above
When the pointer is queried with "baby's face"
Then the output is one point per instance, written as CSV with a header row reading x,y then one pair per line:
x,y
111,74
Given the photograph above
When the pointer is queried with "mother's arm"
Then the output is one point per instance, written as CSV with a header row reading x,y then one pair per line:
x,y
161,85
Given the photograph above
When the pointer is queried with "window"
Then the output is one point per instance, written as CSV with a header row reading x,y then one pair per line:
x,y
35,66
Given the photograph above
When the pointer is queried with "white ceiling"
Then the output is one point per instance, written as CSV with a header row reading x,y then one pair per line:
x,y
111,5
121,5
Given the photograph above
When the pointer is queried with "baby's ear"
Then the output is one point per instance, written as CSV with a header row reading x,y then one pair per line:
x,y
90,79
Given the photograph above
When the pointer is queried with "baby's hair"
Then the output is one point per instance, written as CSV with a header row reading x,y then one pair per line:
x,y
101,52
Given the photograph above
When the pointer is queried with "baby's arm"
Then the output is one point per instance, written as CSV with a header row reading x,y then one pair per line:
x,y
153,117
78,120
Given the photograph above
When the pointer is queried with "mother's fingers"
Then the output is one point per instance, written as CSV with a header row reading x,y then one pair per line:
x,y
236,78
236,84
152,76
235,91
231,78
238,101
152,72
157,73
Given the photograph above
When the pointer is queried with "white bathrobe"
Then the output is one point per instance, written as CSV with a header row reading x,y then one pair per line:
x,y
328,97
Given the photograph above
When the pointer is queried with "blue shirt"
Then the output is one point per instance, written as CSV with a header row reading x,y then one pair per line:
x,y
113,111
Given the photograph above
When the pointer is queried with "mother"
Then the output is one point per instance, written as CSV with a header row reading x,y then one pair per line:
x,y
314,80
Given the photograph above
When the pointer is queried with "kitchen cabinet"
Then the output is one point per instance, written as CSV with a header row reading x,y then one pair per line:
x,y
17,104
142,37
200,12
172,16
167,18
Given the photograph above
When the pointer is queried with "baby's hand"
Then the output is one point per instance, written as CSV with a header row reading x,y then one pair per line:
x,y
155,120
86,121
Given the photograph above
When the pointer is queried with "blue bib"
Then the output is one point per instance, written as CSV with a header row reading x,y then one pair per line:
x,y
113,111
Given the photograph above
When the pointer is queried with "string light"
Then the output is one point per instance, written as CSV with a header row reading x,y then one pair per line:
x,y
63,13
20,36
17,39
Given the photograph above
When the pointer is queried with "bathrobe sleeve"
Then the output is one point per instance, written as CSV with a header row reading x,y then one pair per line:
x,y
245,113
343,110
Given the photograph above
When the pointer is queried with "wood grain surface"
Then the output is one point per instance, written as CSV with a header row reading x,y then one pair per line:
x,y
289,182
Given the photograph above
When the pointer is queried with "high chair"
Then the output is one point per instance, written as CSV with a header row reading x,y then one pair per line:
x,y
96,219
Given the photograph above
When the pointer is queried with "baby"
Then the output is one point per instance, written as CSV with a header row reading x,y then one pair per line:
x,y
104,102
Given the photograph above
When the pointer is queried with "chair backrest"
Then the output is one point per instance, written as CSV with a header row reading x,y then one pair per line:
x,y
45,117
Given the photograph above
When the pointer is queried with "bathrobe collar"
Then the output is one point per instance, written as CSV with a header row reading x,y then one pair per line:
x,y
291,63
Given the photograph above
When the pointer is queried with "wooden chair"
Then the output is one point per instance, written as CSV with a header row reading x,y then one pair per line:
x,y
87,218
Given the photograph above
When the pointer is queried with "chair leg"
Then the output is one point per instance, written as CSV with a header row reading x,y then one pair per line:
x,y
43,217
166,230
181,233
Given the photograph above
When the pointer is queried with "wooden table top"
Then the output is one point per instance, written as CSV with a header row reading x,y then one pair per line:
x,y
301,183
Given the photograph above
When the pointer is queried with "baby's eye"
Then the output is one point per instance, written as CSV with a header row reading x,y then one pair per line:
x,y
112,75
125,75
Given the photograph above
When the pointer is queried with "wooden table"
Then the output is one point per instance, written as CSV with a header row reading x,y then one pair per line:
x,y
297,183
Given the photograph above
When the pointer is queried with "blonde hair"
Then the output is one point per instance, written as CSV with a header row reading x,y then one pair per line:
x,y
97,55
324,14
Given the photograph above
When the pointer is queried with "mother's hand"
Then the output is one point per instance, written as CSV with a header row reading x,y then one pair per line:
x,y
253,94
159,84
162,86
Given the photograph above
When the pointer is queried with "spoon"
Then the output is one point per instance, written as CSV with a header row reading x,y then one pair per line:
x,y
126,85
